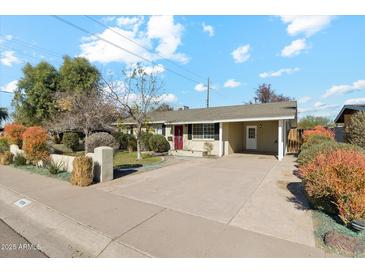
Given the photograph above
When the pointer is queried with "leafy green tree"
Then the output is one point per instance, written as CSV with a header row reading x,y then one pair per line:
x,y
78,75
355,130
309,122
34,99
3,114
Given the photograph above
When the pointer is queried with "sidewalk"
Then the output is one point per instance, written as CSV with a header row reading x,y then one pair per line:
x,y
68,221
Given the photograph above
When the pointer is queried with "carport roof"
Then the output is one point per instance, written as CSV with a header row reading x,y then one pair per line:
x,y
248,112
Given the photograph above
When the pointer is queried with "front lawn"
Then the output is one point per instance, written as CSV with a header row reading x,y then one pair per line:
x,y
62,149
64,176
125,159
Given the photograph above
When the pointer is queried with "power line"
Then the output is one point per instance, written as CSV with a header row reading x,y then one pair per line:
x,y
117,46
142,46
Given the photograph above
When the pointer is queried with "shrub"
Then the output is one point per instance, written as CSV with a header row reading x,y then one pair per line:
x,y
355,130
158,143
82,172
71,140
208,147
19,160
336,179
14,133
122,139
100,139
145,141
4,145
315,140
307,155
6,158
318,130
55,167
35,144
131,143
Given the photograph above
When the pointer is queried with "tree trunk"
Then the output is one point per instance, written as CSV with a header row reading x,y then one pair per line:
x,y
139,155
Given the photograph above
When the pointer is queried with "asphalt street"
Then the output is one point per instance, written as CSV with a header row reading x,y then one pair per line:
x,y
13,245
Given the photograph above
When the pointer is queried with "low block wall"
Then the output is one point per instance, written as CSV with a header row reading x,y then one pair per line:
x,y
102,159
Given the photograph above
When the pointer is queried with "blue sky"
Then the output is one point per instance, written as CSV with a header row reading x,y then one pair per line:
x,y
319,60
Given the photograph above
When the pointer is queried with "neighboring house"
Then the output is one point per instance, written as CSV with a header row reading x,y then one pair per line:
x,y
343,119
230,129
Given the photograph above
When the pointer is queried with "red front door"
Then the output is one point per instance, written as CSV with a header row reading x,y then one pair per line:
x,y
178,137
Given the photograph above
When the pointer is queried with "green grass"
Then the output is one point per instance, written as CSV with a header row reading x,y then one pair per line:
x,y
323,223
65,176
125,159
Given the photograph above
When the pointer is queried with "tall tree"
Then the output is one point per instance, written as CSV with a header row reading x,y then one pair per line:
x,y
164,107
85,112
309,122
34,97
265,94
136,95
77,75
3,114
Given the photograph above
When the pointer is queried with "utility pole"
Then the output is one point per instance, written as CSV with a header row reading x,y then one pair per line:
x,y
208,90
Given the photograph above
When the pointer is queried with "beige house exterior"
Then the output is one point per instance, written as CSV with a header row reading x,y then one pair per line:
x,y
253,128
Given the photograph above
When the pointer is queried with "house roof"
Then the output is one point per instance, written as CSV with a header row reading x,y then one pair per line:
x,y
348,109
249,112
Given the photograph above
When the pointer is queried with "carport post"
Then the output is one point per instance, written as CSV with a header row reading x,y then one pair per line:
x,y
280,140
220,139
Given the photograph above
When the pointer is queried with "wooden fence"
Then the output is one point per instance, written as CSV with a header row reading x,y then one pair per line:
x,y
295,140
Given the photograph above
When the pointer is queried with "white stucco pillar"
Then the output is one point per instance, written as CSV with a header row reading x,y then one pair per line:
x,y
221,150
103,164
280,140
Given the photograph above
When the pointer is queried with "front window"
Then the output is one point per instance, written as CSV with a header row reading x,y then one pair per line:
x,y
203,131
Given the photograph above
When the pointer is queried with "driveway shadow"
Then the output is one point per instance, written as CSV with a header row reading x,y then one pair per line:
x,y
299,199
121,172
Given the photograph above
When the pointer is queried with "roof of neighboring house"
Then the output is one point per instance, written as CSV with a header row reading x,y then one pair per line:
x,y
348,109
249,112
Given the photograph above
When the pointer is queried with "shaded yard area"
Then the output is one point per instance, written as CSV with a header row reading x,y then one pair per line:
x,y
62,149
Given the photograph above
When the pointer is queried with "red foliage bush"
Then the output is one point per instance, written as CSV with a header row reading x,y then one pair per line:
x,y
318,130
35,144
14,133
337,178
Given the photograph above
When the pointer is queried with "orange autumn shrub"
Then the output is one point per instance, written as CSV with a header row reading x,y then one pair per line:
x,y
14,133
35,144
318,130
336,180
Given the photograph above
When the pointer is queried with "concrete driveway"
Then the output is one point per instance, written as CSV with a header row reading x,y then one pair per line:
x,y
215,189
246,191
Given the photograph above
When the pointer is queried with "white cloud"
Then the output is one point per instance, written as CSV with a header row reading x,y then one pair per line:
x,y
161,35
355,101
295,48
279,72
208,29
169,35
167,98
8,58
343,89
10,87
200,87
157,69
304,99
241,54
231,83
318,107
307,25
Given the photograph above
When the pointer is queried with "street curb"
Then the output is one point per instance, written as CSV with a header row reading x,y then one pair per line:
x,y
56,235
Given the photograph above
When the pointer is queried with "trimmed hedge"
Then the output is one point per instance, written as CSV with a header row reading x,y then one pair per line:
x,y
307,155
335,183
82,171
71,140
145,141
158,143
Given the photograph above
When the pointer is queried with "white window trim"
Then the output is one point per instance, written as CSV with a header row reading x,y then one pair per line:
x,y
200,139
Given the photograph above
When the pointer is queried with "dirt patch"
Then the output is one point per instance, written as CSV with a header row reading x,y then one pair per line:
x,y
344,243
